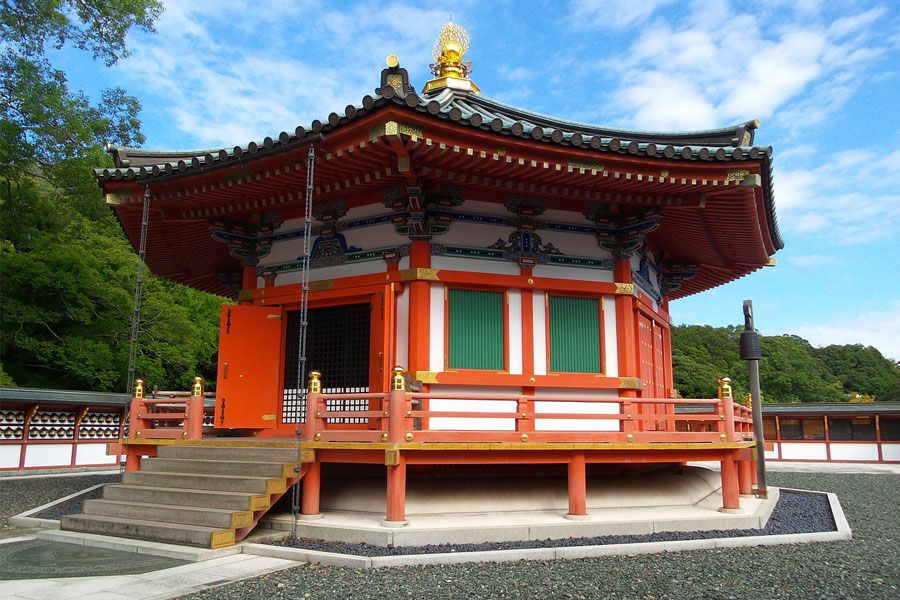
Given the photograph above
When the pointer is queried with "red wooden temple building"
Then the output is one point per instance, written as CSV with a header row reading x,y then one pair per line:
x,y
517,267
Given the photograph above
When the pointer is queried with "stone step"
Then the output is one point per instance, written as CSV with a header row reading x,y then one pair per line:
x,y
186,497
197,481
178,533
241,453
218,518
218,467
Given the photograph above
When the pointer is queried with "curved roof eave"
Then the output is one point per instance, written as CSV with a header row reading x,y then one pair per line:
x,y
727,144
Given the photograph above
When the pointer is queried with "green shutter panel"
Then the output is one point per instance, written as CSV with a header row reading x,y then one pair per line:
x,y
574,335
475,330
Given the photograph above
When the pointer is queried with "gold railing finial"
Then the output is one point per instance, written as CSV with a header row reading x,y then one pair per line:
x,y
725,387
197,388
315,384
748,397
138,388
398,381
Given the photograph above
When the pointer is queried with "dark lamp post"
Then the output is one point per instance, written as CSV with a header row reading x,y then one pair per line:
x,y
751,351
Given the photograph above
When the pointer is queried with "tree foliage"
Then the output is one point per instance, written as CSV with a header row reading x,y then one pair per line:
x,y
66,269
791,369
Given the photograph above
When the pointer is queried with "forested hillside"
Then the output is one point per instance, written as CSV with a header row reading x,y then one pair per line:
x,y
791,370
67,272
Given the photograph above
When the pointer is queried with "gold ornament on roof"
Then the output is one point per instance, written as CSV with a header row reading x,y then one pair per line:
x,y
448,50
449,68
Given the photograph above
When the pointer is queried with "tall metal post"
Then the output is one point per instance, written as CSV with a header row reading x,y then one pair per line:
x,y
138,290
751,351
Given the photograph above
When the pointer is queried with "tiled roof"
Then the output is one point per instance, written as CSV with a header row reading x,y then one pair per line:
x,y
728,144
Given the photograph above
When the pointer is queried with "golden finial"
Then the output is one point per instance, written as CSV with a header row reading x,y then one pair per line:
x,y
449,68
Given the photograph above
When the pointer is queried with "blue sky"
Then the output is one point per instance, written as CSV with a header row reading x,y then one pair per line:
x,y
823,78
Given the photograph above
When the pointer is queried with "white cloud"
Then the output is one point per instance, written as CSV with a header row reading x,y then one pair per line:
x,y
878,328
233,74
714,64
613,13
814,260
829,200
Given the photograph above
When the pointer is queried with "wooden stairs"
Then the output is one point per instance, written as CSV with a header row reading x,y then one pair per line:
x,y
198,495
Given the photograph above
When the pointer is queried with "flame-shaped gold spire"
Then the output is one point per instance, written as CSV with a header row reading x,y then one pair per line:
x,y
449,68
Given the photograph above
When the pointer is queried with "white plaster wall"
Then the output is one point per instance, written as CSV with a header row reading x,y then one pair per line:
x,y
567,272
473,423
436,325
10,454
404,263
804,451
402,333
474,235
539,318
772,454
515,332
577,408
610,337
93,454
475,265
345,270
48,455
889,451
854,451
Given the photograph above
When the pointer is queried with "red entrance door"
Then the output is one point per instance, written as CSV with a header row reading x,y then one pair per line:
x,y
247,386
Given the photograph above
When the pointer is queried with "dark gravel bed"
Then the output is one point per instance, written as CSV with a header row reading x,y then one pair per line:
x,y
794,513
19,495
864,568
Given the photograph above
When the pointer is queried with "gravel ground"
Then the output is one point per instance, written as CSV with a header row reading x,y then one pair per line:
x,y
868,567
19,495
794,513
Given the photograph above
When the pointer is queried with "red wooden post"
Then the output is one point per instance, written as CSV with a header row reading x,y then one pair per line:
x,y
577,487
193,423
397,407
396,473
309,502
730,494
313,392
727,407
396,493
135,424
745,477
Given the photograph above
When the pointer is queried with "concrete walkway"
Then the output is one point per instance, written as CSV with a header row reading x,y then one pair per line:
x,y
205,574
156,585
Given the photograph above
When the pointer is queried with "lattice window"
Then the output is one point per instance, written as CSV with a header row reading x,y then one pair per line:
x,y
475,330
338,346
574,335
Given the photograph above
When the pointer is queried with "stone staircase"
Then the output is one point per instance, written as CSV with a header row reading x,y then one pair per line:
x,y
197,495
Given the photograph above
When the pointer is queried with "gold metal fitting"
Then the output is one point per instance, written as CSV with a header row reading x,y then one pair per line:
x,y
723,437
628,416
530,281
387,414
531,380
722,417
398,381
748,399
139,388
524,437
384,437
197,388
137,434
392,61
409,437
725,387
524,415
318,414
409,413
629,437
318,436
315,384
184,434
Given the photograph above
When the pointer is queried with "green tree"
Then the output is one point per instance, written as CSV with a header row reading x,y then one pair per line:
x,y
67,272
863,370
